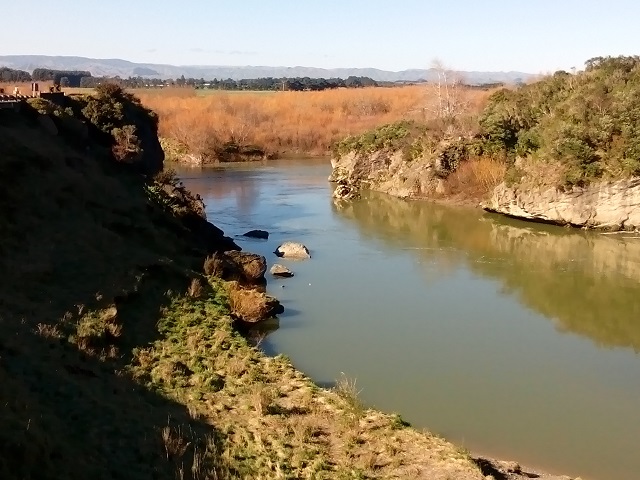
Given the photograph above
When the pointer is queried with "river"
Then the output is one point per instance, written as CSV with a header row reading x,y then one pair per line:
x,y
514,340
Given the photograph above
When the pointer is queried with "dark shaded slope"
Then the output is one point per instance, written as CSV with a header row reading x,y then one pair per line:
x,y
78,233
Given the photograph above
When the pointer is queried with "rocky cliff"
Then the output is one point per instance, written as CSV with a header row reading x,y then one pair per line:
x,y
402,159
383,171
609,205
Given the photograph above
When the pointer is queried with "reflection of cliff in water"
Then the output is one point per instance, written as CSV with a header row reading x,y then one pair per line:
x,y
585,281
233,184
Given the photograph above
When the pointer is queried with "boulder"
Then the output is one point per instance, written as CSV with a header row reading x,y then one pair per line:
x,y
346,192
278,270
257,234
246,268
47,123
251,267
292,250
251,305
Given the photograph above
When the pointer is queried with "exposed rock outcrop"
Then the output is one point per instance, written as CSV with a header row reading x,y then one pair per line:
x,y
292,250
383,171
246,268
607,205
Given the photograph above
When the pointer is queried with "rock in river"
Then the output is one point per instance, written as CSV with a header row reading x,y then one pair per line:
x,y
257,234
278,270
292,250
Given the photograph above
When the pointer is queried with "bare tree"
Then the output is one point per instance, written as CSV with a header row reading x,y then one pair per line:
x,y
450,101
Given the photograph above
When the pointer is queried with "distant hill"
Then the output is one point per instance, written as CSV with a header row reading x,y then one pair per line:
x,y
123,68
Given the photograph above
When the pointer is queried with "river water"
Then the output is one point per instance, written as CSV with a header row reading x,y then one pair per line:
x,y
515,340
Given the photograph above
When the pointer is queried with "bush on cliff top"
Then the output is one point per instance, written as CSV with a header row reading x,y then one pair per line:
x,y
585,125
588,123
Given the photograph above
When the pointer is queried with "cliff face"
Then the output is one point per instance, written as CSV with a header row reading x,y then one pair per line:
x,y
610,205
386,172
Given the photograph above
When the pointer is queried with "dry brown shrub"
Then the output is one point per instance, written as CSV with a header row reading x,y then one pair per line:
x,y
285,122
476,177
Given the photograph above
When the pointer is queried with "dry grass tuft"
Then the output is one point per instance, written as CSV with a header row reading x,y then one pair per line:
x,y
347,389
195,290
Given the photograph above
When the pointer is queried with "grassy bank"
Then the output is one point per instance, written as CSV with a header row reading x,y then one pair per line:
x,y
118,354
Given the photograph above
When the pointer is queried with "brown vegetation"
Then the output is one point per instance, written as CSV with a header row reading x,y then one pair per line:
x,y
475,178
287,122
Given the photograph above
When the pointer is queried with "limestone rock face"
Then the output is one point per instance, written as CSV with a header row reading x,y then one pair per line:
x,y
607,205
278,270
292,250
383,171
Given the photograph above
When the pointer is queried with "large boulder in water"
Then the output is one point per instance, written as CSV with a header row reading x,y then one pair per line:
x,y
346,192
278,270
292,250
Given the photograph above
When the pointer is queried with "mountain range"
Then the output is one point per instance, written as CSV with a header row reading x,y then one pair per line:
x,y
116,67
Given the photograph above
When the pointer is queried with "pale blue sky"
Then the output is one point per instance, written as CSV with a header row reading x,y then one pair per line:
x,y
533,36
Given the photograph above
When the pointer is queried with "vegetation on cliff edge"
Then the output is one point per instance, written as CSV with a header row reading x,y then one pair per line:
x,y
564,130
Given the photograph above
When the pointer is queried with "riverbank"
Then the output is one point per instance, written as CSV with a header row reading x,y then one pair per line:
x,y
533,152
119,356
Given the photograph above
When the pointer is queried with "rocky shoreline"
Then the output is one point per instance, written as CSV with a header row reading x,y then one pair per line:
x,y
608,205
605,205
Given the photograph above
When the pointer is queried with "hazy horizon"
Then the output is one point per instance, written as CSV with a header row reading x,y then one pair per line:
x,y
239,66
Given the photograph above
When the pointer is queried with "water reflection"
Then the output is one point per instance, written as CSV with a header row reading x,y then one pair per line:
x,y
235,183
585,281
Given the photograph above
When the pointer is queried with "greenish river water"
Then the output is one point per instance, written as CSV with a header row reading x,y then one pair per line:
x,y
515,340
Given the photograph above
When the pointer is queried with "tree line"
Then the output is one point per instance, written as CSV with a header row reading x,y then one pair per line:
x,y
259,84
66,78
84,79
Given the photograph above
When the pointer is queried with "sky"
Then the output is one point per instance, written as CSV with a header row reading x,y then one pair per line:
x,y
535,36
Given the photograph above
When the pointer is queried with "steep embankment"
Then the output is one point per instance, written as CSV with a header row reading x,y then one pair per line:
x,y
564,150
118,353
